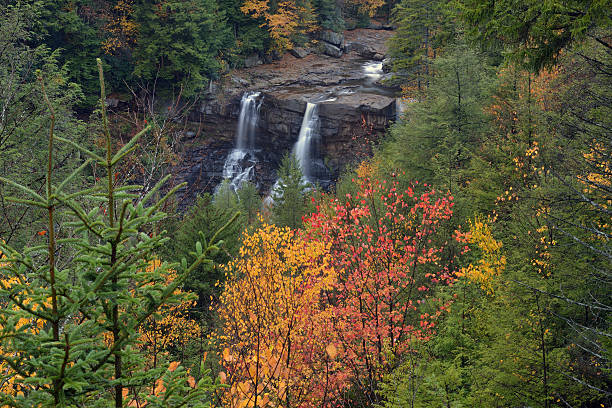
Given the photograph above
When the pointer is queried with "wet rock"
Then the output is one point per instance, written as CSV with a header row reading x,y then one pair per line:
x,y
331,37
331,50
299,52
352,114
387,65
388,81
112,102
378,57
252,60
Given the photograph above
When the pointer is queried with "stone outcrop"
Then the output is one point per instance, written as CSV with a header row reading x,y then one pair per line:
x,y
252,60
353,110
331,50
332,38
299,52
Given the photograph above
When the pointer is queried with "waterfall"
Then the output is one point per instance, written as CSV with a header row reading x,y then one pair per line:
x,y
240,163
303,148
247,123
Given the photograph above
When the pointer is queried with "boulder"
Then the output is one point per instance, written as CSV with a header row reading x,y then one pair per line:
x,y
299,52
331,37
252,60
387,65
331,50
378,57
361,49
112,102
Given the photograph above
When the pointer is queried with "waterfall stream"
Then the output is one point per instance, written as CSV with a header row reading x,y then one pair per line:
x,y
303,148
239,165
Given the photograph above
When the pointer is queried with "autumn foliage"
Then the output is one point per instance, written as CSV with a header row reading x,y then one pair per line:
x,y
283,21
279,346
309,315
172,326
385,241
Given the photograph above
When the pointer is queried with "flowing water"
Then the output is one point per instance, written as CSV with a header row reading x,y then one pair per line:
x,y
373,70
240,163
303,148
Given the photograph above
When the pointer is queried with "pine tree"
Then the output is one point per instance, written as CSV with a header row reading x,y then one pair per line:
x,y
424,27
199,224
69,324
24,119
249,201
290,195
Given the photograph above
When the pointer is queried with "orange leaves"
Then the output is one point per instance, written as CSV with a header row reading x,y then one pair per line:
x,y
227,356
382,239
173,366
283,21
307,314
275,328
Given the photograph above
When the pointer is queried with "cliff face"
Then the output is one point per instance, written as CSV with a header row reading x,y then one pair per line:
x,y
354,108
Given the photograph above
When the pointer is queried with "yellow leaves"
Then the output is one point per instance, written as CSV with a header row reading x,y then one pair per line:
x,y
172,323
368,7
121,27
271,306
173,366
160,388
492,262
283,21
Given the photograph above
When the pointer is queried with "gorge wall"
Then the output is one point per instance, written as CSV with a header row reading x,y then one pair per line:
x,y
355,107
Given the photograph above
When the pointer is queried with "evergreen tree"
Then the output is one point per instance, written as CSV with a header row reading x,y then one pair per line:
x,y
329,15
74,301
249,201
69,26
424,27
249,34
23,119
225,197
535,32
290,197
438,144
179,42
200,224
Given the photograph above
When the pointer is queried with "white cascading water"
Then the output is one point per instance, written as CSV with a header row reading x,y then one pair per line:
x,y
234,168
308,132
373,71
302,149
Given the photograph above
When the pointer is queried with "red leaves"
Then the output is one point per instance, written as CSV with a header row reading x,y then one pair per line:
x,y
383,241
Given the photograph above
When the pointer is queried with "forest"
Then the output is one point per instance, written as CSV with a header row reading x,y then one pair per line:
x,y
449,248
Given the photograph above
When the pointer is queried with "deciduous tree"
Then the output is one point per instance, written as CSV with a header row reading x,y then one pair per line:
x,y
384,240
